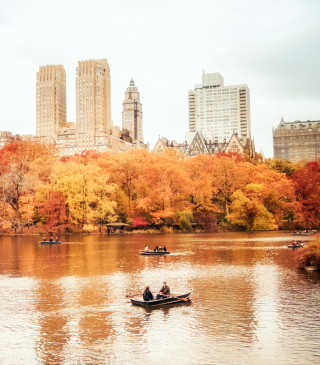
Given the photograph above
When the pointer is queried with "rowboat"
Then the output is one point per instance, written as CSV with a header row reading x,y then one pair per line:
x,y
174,298
50,243
295,246
302,234
154,252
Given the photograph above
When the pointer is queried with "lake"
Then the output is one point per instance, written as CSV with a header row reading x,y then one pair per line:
x,y
67,304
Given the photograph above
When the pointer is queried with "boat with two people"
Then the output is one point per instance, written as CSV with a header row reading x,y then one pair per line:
x,y
50,242
164,297
296,244
161,250
306,232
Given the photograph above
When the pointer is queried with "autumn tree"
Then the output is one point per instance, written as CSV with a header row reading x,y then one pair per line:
x,y
55,209
87,191
14,183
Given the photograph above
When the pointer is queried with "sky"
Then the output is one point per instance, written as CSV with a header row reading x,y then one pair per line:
x,y
272,46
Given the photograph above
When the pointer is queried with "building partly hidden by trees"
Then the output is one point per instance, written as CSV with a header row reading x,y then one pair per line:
x,y
40,192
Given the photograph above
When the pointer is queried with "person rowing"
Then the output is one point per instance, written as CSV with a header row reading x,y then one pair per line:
x,y
147,295
164,291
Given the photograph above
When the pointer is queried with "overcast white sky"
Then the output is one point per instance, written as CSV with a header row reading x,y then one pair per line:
x,y
272,46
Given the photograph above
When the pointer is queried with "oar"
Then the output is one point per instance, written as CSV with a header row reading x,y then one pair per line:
x,y
184,299
132,295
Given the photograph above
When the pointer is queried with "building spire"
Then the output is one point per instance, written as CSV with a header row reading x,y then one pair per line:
x,y
131,82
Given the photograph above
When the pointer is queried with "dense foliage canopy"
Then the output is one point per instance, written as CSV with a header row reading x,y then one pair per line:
x,y
40,192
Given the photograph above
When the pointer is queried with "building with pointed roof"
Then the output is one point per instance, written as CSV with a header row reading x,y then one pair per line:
x,y
199,145
297,141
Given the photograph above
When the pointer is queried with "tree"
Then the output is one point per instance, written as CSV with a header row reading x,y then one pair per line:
x,y
250,213
55,209
307,188
227,177
206,220
87,191
139,222
14,183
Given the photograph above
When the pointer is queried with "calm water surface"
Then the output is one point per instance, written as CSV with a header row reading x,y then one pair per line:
x,y
67,304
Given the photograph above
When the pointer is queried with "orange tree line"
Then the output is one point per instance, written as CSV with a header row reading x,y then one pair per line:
x,y
39,190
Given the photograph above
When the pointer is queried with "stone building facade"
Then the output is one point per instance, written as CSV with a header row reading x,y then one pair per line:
x,y
51,102
94,128
132,113
93,96
297,141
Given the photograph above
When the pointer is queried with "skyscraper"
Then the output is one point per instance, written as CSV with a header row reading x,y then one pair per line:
x,y
93,96
217,110
132,113
51,101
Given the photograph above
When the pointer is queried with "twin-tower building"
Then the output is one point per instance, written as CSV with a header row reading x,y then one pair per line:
x,y
94,128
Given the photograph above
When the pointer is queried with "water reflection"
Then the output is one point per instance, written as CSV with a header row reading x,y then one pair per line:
x,y
67,303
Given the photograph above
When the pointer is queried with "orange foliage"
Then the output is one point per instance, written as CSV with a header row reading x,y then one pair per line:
x,y
156,187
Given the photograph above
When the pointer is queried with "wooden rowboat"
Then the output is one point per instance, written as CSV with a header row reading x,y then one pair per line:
x,y
302,234
50,243
174,298
154,252
295,246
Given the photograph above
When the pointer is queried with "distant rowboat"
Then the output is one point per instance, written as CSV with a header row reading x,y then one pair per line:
x,y
154,252
302,234
50,243
295,246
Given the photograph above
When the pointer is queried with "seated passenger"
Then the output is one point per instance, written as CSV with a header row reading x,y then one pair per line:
x,y
164,292
44,239
164,248
156,248
147,295
146,248
160,248
292,243
57,239
51,239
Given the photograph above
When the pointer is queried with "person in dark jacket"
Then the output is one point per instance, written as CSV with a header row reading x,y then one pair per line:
x,y
156,248
164,292
164,248
147,295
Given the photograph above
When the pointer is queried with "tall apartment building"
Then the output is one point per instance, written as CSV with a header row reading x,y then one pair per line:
x,y
51,101
132,113
297,141
218,110
93,96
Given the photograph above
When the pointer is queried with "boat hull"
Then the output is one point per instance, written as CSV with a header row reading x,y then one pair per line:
x,y
301,234
154,253
176,298
295,246
49,243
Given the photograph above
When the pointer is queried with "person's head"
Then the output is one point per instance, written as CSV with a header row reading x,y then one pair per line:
x,y
164,283
147,287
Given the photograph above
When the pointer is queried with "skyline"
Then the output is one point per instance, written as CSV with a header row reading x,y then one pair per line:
x,y
164,48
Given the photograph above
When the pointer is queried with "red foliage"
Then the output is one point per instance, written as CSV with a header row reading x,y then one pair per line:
x,y
234,155
84,157
307,187
56,210
139,222
207,221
